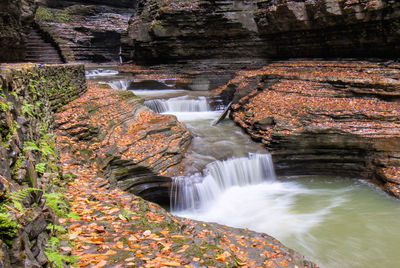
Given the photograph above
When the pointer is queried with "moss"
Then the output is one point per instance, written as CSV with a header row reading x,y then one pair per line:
x,y
45,14
8,228
157,25
63,16
126,94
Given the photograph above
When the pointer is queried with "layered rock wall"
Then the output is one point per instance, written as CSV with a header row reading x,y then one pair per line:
x,y
175,30
16,18
132,145
324,118
29,95
86,31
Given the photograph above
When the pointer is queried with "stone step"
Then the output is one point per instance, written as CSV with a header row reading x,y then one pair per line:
x,y
39,50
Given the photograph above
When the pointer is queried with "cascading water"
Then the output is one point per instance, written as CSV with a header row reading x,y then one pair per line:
x,y
196,191
335,222
122,84
100,72
180,104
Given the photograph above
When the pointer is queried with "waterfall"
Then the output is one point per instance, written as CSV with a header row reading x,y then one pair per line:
x,y
196,191
118,84
100,72
180,104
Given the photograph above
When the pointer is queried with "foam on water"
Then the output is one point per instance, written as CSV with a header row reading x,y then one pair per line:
x,y
100,72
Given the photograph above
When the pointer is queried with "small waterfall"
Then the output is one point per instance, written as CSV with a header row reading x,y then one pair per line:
x,y
122,84
100,72
196,191
180,104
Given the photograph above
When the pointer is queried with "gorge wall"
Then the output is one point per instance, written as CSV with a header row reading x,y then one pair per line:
x,y
182,30
16,18
29,166
335,118
86,31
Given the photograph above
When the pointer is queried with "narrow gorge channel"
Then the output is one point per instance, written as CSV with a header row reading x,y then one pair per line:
x,y
229,179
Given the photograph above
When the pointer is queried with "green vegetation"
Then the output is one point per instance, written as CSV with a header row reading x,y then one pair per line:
x,y
63,16
45,14
55,258
157,25
8,228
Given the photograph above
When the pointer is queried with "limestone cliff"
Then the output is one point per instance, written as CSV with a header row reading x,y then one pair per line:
x,y
176,30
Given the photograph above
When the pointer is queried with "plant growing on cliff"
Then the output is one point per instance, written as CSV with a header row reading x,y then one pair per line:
x,y
4,104
55,258
8,228
27,108
45,14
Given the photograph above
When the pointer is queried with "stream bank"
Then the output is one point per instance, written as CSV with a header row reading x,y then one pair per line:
x,y
126,230
290,199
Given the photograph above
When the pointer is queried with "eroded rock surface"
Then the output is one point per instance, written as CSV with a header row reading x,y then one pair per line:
x,y
331,118
87,31
132,145
182,30
16,18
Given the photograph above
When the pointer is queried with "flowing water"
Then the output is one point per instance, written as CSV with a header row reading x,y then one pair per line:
x,y
230,180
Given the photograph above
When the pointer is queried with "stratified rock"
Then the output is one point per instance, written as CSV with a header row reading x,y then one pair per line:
x,y
16,17
182,30
132,145
89,33
325,118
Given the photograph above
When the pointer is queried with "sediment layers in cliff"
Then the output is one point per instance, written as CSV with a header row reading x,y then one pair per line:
x,y
132,145
176,30
325,118
16,18
86,31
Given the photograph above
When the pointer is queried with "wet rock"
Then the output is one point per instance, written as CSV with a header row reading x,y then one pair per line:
x,y
134,147
89,32
267,29
314,119
16,18
4,255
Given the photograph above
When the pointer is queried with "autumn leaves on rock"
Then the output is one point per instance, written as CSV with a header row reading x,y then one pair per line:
x,y
132,145
118,229
327,118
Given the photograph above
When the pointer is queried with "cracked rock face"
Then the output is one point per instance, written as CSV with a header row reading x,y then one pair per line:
x,y
16,18
86,31
324,118
132,145
274,29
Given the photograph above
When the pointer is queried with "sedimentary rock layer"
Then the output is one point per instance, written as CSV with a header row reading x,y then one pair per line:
x,y
16,18
29,95
327,118
132,145
180,30
89,33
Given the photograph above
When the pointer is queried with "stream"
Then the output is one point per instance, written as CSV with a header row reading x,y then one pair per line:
x,y
229,179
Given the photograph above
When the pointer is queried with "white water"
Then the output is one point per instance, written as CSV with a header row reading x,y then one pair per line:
x,y
122,84
185,108
334,222
179,104
100,72
197,192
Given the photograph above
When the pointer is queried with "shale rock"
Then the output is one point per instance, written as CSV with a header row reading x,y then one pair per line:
x,y
185,30
86,32
325,118
132,145
16,17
